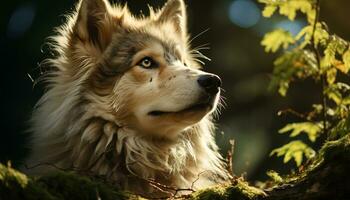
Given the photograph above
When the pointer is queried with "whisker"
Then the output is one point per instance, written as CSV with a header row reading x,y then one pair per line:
x,y
199,34
223,103
200,48
198,54
217,113
201,62
206,45
222,89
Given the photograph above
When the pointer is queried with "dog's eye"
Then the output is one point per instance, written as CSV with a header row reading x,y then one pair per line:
x,y
147,62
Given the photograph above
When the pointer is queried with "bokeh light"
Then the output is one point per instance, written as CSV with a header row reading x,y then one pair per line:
x,y
293,27
21,20
244,13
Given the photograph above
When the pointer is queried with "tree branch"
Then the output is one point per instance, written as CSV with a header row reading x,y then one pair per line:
x,y
326,177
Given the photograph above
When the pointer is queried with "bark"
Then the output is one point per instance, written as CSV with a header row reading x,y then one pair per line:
x,y
325,177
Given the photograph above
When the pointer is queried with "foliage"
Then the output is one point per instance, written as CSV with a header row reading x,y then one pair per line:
x,y
68,185
314,53
240,190
311,129
277,38
56,186
316,181
289,8
295,149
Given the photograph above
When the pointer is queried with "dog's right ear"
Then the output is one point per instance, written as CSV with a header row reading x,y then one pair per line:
x,y
174,12
91,23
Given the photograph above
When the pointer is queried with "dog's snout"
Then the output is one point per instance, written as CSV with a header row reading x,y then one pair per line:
x,y
210,83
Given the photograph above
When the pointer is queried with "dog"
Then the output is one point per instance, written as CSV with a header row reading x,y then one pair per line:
x,y
126,99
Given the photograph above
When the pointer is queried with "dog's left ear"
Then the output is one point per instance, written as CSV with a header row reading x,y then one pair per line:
x,y
174,11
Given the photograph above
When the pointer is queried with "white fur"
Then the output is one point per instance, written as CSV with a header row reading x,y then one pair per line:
x,y
74,128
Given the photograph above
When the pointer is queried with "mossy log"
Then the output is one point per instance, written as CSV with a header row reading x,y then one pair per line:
x,y
325,177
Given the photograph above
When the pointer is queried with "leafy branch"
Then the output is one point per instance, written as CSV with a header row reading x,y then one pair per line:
x,y
314,53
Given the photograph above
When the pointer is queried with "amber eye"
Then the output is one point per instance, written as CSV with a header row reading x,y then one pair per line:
x,y
147,62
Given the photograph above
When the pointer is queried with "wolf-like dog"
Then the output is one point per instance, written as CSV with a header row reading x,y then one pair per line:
x,y
126,99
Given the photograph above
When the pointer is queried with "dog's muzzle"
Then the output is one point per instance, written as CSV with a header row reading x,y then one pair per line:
x,y
210,83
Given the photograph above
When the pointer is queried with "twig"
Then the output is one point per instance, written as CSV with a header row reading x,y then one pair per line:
x,y
198,177
318,59
291,111
229,159
171,191
47,164
86,172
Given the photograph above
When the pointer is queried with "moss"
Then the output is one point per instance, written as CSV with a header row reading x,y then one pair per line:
x,y
240,190
338,148
325,176
15,185
217,192
67,185
243,187
9,176
56,186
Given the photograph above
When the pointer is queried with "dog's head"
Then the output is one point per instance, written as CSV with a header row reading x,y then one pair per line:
x,y
141,70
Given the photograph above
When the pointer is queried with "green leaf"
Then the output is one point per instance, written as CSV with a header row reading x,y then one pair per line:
x,y
311,16
269,10
298,157
290,8
283,88
300,64
329,57
288,156
342,86
335,92
288,11
283,72
312,130
321,36
274,40
336,45
335,95
346,101
296,150
331,75
310,60
346,60
304,34
340,129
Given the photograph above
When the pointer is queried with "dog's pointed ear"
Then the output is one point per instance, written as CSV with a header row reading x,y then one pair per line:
x,y
89,25
174,11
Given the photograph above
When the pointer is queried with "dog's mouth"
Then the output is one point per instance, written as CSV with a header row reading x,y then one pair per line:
x,y
194,108
197,107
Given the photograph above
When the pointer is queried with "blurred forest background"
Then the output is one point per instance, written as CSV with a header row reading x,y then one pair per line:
x,y
235,30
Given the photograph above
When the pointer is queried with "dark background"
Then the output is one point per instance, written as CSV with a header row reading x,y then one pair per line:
x,y
235,30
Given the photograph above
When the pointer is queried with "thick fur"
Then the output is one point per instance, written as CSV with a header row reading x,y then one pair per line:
x,y
94,115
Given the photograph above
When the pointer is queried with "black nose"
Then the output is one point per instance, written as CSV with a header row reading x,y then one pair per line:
x,y
210,83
